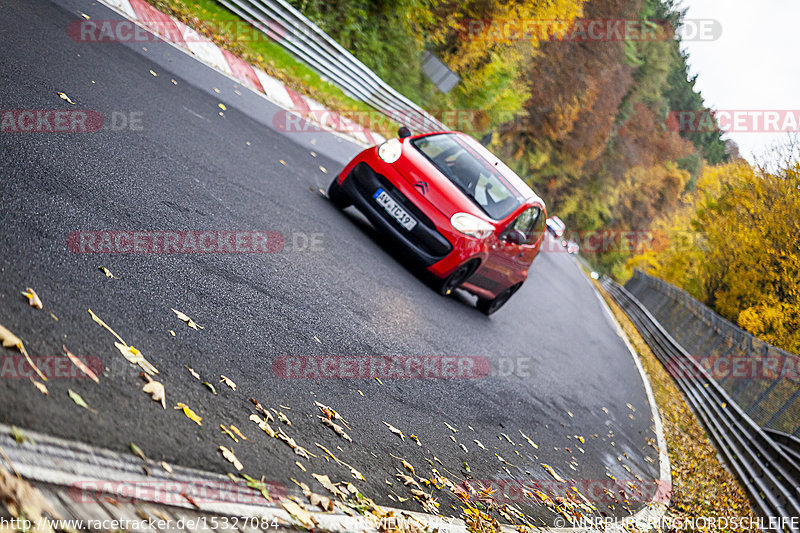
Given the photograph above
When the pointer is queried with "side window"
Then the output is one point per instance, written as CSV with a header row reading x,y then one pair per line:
x,y
539,226
531,223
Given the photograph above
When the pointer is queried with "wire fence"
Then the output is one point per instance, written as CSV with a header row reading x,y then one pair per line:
x,y
762,379
286,26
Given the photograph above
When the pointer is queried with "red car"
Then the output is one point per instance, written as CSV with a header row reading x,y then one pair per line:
x,y
453,206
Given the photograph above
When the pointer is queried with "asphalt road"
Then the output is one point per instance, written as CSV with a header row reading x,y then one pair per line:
x,y
558,367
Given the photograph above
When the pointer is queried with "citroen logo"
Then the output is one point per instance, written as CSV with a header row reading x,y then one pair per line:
x,y
421,186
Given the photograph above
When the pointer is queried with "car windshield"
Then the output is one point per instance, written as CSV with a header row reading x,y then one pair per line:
x,y
473,174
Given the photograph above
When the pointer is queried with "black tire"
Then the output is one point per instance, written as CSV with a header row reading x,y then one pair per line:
x,y
461,274
338,195
488,307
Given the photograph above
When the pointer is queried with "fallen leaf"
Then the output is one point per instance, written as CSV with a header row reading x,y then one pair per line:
x,y
527,438
106,271
78,400
106,326
138,451
325,481
305,518
261,410
263,425
230,457
64,97
228,433
228,382
156,390
80,364
19,436
222,106
323,502
300,466
84,15
153,73
451,428
40,386
210,387
282,162
481,446
408,466
189,413
395,431
189,322
239,433
259,485
323,169
549,470
166,466
135,356
283,418
192,372
335,427
12,341
33,298
415,439
9,339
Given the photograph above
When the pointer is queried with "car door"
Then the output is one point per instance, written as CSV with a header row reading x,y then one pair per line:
x,y
514,250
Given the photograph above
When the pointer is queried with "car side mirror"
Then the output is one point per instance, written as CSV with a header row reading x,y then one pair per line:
x,y
514,236
403,132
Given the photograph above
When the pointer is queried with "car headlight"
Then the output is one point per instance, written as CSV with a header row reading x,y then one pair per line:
x,y
471,225
390,151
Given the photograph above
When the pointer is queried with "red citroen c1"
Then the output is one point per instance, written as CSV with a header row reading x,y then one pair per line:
x,y
453,206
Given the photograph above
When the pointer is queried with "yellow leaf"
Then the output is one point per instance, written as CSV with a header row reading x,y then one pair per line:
x,y
40,386
106,271
228,433
305,518
189,413
33,298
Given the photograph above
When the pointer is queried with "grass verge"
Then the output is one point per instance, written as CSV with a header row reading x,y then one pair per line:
x,y
229,31
701,485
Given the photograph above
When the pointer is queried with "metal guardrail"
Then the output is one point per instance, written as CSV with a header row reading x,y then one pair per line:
x,y
771,477
302,38
770,394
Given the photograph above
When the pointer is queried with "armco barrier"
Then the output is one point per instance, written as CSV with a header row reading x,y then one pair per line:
x,y
302,38
762,379
769,474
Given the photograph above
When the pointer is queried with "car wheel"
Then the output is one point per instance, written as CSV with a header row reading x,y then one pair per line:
x,y
489,306
338,195
447,285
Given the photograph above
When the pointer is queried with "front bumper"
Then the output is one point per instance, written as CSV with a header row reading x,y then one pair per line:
x,y
425,244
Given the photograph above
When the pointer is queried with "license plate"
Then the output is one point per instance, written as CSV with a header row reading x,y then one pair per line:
x,y
394,209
